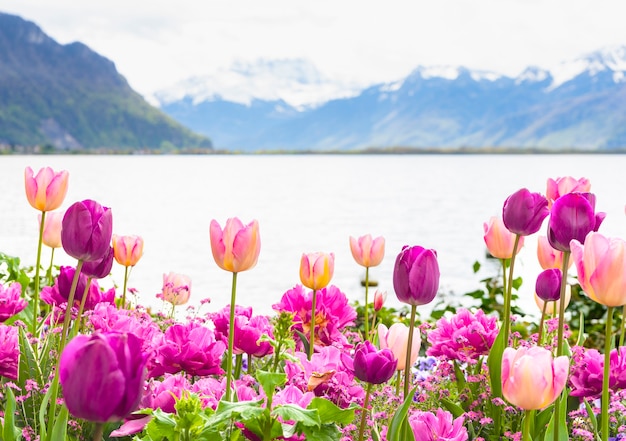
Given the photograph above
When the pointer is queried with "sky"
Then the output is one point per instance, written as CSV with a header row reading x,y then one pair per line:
x,y
157,43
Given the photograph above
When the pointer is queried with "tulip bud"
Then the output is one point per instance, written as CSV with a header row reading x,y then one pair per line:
x,y
548,285
552,307
548,256
572,217
47,190
366,251
316,270
524,212
379,299
396,339
87,230
373,366
236,248
416,275
127,250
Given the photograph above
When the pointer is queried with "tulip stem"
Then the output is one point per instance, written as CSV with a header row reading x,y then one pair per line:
x,y
526,429
622,328
231,338
372,330
409,347
37,265
541,322
364,413
365,315
78,323
507,295
559,342
97,435
123,304
312,330
605,379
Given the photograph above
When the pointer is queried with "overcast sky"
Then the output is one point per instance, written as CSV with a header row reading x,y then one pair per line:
x,y
156,43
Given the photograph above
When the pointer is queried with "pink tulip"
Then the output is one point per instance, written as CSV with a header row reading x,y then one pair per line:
x,y
549,257
45,191
366,251
567,184
601,267
236,248
499,239
379,299
176,288
316,270
531,378
396,338
127,250
52,229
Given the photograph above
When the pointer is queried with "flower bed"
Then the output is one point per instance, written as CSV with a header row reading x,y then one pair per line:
x,y
78,362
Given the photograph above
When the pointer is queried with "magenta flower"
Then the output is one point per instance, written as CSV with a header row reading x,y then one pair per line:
x,y
587,372
291,394
86,231
443,426
524,212
191,348
11,301
9,352
99,269
248,331
464,337
548,285
333,313
114,386
374,366
59,293
416,275
572,217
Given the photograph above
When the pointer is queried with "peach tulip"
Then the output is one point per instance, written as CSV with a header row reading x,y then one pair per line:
x,y
601,267
549,257
553,307
236,248
45,191
52,229
127,250
366,251
531,378
499,239
316,269
396,338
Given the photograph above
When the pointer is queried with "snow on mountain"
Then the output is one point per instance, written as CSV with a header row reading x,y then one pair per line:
x,y
612,58
295,81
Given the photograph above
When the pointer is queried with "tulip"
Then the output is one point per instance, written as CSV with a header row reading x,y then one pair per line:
x,y
548,285
316,270
236,248
416,275
499,239
114,386
99,269
548,256
366,251
396,338
87,230
524,212
567,184
379,300
373,367
176,288
45,191
551,306
127,250
572,217
11,301
531,378
52,229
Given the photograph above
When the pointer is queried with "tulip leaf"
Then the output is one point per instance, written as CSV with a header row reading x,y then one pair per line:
x,y
9,431
59,429
494,363
453,408
305,341
581,330
293,412
329,412
592,416
399,419
562,424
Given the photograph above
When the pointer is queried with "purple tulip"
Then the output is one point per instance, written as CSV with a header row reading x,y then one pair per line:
x,y
99,269
548,285
9,352
59,293
11,301
374,366
86,231
416,275
572,217
524,212
102,376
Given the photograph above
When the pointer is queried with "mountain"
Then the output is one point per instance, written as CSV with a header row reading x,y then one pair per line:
x,y
577,104
70,97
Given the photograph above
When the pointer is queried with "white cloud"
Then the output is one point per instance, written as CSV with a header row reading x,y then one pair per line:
x,y
157,43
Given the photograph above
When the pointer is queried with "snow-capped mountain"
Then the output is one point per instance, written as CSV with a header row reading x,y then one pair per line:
x,y
297,82
576,104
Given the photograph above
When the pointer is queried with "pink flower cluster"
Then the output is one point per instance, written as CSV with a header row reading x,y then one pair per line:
x,y
587,371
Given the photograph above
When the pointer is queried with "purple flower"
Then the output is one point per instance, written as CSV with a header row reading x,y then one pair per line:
x,y
374,366
248,331
102,376
416,275
588,369
191,348
572,217
430,427
11,301
333,313
524,212
87,229
99,269
59,293
9,352
548,285
464,337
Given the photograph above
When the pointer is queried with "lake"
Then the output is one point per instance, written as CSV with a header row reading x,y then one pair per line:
x,y
304,203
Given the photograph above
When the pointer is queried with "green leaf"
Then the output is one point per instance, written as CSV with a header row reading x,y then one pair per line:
x,y
305,341
453,408
227,410
9,431
395,428
494,363
270,381
517,282
581,329
592,417
59,430
476,266
293,412
28,366
331,413
327,432
161,426
560,420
